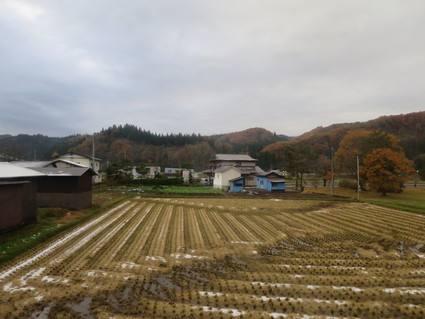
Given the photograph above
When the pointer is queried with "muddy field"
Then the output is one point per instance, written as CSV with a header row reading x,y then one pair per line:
x,y
226,258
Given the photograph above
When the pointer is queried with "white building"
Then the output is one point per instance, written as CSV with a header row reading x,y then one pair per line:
x,y
231,166
86,161
223,175
151,171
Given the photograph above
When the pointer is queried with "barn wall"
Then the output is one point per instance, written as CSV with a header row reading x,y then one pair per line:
x,y
58,184
17,204
73,201
71,192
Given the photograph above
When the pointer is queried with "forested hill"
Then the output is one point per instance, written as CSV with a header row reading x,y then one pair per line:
x,y
138,145
173,150
409,128
194,150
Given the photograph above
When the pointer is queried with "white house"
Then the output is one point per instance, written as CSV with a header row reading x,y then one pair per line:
x,y
86,161
151,171
231,166
223,175
237,160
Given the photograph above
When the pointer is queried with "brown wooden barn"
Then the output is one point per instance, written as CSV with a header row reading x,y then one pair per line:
x,y
18,189
66,187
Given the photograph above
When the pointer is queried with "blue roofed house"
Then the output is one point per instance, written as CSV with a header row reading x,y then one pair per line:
x,y
270,181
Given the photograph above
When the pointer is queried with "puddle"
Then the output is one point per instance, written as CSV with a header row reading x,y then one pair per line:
x,y
82,308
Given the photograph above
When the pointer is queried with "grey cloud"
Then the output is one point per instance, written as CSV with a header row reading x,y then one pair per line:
x,y
208,66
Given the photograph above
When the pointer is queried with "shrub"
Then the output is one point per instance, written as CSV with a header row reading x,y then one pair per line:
x,y
348,184
55,212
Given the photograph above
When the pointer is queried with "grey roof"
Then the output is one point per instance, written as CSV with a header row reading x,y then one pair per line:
x,y
74,164
73,154
244,170
269,173
40,164
31,164
225,168
272,176
251,170
64,171
234,157
9,170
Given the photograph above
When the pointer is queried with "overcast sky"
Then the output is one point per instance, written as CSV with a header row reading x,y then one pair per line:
x,y
208,67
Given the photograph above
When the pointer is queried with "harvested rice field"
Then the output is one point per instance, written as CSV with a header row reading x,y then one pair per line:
x,y
225,258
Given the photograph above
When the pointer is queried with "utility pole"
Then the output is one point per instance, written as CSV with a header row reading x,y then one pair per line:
x,y
93,162
332,172
358,179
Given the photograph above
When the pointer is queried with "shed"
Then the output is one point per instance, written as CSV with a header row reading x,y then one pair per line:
x,y
18,187
270,181
236,184
17,204
66,187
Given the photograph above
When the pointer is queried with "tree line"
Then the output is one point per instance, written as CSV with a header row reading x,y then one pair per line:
x,y
139,135
383,165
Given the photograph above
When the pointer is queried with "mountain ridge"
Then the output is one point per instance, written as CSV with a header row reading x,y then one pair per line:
x,y
138,145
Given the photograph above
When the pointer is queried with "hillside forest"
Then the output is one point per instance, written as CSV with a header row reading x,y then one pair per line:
x,y
309,153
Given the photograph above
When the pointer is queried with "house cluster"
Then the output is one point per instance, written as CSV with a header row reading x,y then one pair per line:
x,y
234,172
66,181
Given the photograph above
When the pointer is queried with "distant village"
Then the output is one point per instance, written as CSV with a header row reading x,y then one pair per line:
x,y
66,181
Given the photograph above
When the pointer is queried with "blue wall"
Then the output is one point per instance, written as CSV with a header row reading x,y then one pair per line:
x,y
264,183
237,185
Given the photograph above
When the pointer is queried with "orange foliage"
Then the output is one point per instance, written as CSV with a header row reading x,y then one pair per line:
x,y
248,136
386,170
275,148
360,143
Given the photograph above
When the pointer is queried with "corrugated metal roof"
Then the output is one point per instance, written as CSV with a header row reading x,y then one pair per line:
x,y
270,174
76,155
251,169
63,161
234,157
64,171
31,164
9,170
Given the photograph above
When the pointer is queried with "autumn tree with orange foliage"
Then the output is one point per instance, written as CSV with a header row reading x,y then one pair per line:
x,y
360,143
385,170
